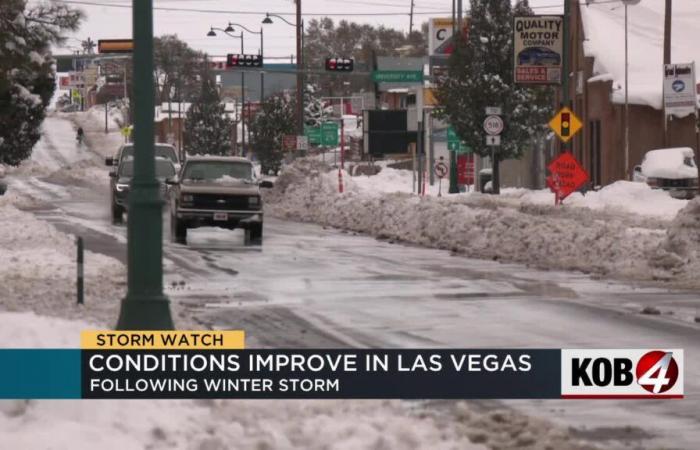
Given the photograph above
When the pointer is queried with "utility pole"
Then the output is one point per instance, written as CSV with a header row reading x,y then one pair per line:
x,y
566,56
410,23
300,76
667,56
456,34
145,306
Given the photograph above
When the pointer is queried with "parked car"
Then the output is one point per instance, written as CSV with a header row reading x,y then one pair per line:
x,y
121,184
217,191
670,169
538,56
161,151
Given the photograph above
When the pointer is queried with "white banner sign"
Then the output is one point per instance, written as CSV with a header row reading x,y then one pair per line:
x,y
440,36
680,97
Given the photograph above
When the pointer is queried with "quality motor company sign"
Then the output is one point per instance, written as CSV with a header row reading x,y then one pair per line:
x,y
538,43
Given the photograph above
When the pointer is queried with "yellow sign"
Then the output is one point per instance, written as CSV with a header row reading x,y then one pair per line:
x,y
565,124
175,340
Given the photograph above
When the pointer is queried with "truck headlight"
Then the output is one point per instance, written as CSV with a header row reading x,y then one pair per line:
x,y
186,198
122,187
254,201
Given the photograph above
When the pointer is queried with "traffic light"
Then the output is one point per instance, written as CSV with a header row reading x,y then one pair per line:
x,y
242,60
340,64
565,124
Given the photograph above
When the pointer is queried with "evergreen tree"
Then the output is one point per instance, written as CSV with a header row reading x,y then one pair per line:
x,y
27,75
314,108
480,74
207,128
274,120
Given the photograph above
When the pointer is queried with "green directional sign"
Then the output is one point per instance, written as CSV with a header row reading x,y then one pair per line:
x,y
329,134
313,134
397,76
454,144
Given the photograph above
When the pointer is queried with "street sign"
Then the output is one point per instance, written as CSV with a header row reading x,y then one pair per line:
x,y
465,170
493,125
454,144
565,124
329,134
397,76
313,134
302,143
441,169
567,176
115,46
680,94
493,141
493,111
458,147
289,142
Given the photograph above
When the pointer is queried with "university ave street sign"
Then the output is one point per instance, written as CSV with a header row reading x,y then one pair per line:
x,y
565,124
567,176
397,76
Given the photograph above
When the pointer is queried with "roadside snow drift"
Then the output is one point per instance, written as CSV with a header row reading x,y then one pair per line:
x,y
619,231
38,269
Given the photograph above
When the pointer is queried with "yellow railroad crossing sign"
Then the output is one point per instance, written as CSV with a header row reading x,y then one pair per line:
x,y
565,124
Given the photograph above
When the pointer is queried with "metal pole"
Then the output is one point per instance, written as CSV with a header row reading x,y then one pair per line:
x,y
242,102
565,63
627,104
667,55
145,307
456,34
80,260
106,112
300,68
262,73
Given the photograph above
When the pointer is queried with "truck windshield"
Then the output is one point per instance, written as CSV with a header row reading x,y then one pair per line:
x,y
216,170
161,151
164,168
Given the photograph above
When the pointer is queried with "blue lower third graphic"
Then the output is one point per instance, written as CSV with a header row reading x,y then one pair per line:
x,y
40,373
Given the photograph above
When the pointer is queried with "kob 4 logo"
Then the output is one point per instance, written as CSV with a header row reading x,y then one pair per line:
x,y
617,373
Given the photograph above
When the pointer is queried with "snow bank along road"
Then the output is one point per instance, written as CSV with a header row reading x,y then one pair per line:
x,y
315,287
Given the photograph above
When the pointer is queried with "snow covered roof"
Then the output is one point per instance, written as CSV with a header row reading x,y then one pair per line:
x,y
604,26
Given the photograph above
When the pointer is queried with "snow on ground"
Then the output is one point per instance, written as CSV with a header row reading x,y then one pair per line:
x,y
38,270
619,231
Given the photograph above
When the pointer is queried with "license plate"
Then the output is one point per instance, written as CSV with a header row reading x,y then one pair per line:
x,y
220,216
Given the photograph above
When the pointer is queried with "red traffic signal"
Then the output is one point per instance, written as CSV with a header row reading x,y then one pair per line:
x,y
243,60
340,64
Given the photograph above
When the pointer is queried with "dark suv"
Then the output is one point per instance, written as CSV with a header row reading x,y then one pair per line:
x,y
121,183
217,191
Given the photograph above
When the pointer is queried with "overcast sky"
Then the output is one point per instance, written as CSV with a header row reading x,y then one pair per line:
x,y
111,19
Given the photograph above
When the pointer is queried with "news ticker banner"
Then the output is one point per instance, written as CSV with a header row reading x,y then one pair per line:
x,y
215,364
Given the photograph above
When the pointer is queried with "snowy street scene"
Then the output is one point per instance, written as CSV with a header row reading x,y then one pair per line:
x,y
474,174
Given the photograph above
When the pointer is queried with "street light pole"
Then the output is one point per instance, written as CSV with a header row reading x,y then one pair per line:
x,y
628,174
300,62
145,307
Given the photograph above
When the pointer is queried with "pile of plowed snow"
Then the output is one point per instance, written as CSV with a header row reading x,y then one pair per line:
x,y
603,240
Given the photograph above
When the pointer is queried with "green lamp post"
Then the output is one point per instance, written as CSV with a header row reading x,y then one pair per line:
x,y
145,307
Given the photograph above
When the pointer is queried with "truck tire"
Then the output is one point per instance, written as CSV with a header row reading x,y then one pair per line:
x,y
178,230
254,234
117,214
